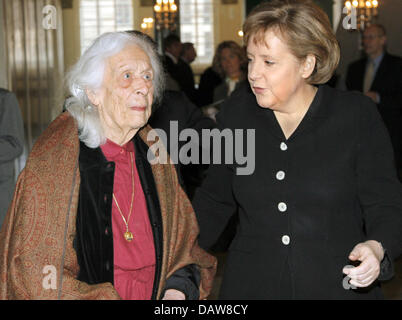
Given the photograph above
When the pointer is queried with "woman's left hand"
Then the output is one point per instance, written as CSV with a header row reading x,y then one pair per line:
x,y
370,253
173,294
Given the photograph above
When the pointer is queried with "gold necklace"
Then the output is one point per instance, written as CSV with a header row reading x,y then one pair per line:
x,y
128,235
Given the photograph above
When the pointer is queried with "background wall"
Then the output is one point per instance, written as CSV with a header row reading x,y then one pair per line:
x,y
390,13
3,58
325,4
71,29
71,34
228,20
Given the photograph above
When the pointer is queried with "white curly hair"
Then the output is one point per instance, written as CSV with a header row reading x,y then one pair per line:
x,y
88,72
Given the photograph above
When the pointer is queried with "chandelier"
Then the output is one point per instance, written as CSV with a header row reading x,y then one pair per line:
x,y
364,11
165,15
147,25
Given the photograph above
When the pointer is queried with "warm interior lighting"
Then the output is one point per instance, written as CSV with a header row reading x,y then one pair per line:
x,y
365,10
165,14
147,25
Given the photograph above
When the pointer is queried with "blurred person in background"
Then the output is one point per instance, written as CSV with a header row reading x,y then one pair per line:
x,y
379,76
178,70
11,146
230,63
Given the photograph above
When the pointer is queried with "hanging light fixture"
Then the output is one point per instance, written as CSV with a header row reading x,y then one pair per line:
x,y
147,25
165,15
366,11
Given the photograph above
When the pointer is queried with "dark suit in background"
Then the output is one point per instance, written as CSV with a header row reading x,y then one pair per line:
x,y
208,82
182,73
388,84
11,146
175,106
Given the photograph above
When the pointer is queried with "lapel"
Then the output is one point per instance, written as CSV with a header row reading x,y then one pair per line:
x,y
147,180
379,76
90,158
153,205
98,173
361,69
94,250
317,111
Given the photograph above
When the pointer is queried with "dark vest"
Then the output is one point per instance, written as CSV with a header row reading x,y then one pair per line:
x,y
94,238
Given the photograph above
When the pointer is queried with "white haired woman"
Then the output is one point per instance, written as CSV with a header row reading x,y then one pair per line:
x,y
91,218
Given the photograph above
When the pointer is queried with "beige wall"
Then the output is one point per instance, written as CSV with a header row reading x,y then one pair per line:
x,y
3,60
228,20
140,13
71,35
390,12
71,29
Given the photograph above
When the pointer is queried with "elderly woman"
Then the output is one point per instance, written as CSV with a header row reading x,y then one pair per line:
x,y
324,199
91,218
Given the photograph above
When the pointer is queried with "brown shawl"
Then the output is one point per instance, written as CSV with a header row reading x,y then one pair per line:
x,y
40,225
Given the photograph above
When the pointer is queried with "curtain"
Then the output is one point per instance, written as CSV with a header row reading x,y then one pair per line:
x,y
35,63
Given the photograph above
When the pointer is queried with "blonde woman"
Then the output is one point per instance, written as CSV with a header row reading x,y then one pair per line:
x,y
230,62
324,201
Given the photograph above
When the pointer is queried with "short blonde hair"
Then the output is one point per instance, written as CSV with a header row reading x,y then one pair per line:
x,y
303,26
236,49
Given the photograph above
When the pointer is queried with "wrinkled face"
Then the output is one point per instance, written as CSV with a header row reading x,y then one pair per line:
x,y
274,73
373,41
230,63
125,98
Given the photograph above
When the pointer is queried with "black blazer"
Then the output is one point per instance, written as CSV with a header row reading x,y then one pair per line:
x,y
183,74
339,188
387,82
175,106
94,237
209,80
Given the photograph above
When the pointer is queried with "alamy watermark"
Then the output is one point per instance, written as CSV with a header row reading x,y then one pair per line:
x,y
49,21
350,20
50,279
223,146
345,283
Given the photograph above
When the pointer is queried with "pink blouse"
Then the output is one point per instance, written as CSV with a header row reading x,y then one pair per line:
x,y
134,262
